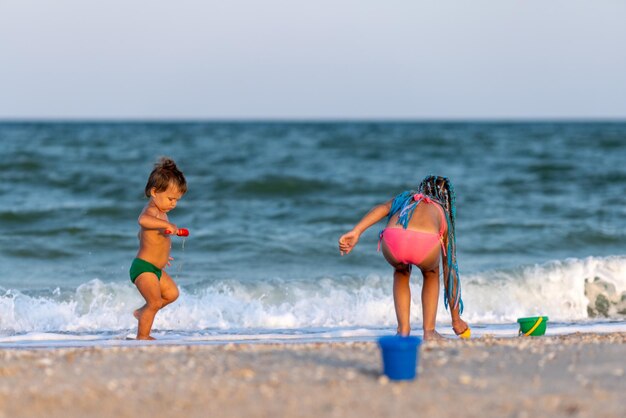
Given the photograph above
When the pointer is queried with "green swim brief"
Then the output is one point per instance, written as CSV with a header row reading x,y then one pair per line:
x,y
142,266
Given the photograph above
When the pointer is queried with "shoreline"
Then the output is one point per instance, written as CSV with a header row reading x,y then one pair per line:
x,y
579,374
58,340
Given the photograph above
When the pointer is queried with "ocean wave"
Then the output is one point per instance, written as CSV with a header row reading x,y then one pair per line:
x,y
282,185
567,290
15,216
564,290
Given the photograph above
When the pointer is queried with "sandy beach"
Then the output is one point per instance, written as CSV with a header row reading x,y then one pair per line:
x,y
579,375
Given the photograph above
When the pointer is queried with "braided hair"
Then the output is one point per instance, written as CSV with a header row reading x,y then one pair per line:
x,y
441,189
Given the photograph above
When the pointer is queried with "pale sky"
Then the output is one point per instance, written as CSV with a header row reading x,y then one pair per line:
x,y
320,59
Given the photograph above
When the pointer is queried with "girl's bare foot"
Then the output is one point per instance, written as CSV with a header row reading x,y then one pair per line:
x,y
403,332
432,335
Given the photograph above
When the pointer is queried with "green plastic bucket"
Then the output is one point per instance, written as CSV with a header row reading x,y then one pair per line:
x,y
532,326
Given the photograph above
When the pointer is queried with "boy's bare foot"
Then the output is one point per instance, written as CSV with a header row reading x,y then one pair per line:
x,y
138,312
432,335
149,337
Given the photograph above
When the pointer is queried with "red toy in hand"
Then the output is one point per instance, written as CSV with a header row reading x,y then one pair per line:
x,y
182,232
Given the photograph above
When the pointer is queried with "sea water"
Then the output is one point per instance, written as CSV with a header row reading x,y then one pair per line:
x,y
541,227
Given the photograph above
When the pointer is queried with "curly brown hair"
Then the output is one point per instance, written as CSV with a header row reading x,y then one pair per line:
x,y
165,172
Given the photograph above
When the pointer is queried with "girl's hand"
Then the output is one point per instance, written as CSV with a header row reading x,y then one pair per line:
x,y
169,261
348,241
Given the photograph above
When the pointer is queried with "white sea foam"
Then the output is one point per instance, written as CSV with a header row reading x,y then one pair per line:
x,y
556,289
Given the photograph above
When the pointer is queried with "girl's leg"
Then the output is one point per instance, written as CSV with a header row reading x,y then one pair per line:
x,y
430,300
401,291
169,290
148,286
402,299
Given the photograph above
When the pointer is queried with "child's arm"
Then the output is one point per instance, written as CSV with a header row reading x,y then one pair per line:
x,y
350,239
149,220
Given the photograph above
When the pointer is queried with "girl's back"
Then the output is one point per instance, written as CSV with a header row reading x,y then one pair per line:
x,y
427,217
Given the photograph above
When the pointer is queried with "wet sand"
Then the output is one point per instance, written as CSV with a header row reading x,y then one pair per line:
x,y
578,375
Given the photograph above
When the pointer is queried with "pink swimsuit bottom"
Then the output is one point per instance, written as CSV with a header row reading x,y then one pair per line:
x,y
412,247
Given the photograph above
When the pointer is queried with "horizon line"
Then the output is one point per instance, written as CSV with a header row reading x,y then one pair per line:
x,y
312,120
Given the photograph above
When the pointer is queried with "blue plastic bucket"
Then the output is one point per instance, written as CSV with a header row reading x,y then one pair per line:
x,y
399,356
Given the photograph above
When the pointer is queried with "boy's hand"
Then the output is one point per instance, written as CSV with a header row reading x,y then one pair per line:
x,y
348,241
171,230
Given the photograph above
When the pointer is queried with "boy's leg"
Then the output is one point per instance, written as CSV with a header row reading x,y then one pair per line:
x,y
430,300
148,286
169,290
402,299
